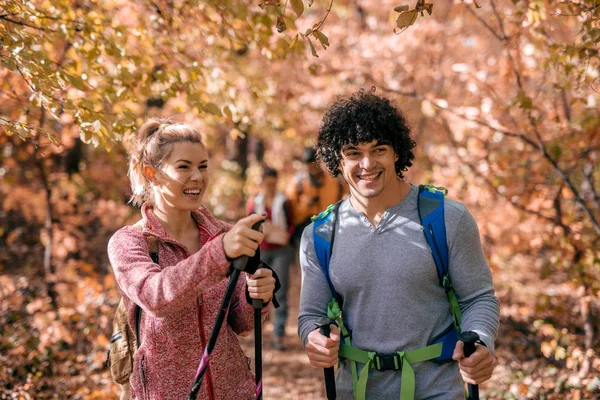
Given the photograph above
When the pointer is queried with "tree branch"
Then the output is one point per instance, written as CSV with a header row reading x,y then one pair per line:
x,y
485,24
39,28
489,183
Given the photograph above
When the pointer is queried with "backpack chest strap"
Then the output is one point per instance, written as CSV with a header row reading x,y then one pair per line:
x,y
401,360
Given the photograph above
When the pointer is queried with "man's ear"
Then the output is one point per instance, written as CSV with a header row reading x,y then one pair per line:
x,y
149,173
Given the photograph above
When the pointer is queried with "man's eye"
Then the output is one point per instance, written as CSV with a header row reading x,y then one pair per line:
x,y
203,167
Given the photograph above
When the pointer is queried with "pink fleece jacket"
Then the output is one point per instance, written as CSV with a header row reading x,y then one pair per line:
x,y
180,298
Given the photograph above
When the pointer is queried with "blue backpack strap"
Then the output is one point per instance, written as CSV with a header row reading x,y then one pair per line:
x,y
431,213
323,236
448,338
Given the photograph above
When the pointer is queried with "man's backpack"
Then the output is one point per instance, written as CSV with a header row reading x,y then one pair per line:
x,y
431,215
123,344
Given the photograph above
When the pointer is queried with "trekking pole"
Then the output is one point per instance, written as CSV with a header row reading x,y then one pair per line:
x,y
258,304
238,266
470,338
324,328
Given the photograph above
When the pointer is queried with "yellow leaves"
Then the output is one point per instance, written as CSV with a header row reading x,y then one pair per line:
x,y
294,41
536,12
313,51
408,17
322,39
298,7
212,108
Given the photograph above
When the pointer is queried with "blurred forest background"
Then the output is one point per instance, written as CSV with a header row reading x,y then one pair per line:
x,y
503,96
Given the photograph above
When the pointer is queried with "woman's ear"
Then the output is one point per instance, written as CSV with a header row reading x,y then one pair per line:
x,y
149,173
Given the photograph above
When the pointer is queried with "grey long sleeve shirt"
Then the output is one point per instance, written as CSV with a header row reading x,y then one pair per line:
x,y
393,300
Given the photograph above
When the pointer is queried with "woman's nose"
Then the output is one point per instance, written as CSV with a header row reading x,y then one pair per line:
x,y
197,175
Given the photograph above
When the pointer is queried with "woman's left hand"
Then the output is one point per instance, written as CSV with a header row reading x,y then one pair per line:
x,y
261,284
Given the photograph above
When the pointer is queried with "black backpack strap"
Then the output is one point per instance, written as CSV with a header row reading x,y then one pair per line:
x,y
138,318
153,250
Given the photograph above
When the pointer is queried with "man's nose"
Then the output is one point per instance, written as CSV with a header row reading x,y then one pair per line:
x,y
366,161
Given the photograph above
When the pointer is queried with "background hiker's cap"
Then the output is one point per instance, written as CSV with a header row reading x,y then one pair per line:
x,y
309,155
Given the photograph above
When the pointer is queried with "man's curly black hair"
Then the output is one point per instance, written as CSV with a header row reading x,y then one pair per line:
x,y
362,118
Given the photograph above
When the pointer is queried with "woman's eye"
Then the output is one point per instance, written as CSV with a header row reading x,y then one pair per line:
x,y
203,167
183,167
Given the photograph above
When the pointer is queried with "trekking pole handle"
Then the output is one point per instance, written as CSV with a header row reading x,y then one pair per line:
x,y
240,262
325,329
257,303
469,339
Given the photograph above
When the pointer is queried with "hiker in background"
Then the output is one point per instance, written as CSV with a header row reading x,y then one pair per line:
x,y
181,294
310,191
383,273
275,249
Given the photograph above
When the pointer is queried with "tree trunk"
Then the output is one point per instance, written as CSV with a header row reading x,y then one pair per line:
x,y
49,272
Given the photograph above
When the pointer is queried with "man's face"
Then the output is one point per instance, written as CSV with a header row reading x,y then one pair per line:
x,y
368,168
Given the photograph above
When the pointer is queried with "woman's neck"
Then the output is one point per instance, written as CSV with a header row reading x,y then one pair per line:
x,y
177,223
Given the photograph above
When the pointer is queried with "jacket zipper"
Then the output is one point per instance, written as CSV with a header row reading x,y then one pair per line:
x,y
203,339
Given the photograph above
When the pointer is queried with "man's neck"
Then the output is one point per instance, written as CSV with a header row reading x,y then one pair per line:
x,y
374,207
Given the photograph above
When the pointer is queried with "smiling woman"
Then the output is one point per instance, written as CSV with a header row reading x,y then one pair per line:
x,y
179,287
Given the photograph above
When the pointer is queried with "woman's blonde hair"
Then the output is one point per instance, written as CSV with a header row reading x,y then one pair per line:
x,y
151,146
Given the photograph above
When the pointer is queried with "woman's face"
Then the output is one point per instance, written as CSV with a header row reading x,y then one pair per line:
x,y
183,178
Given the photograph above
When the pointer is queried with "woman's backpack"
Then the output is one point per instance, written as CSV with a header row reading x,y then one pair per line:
x,y
123,344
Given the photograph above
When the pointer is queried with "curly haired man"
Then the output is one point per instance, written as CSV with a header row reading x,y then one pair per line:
x,y
382,268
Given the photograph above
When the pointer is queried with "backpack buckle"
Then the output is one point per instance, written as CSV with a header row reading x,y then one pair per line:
x,y
387,362
446,284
